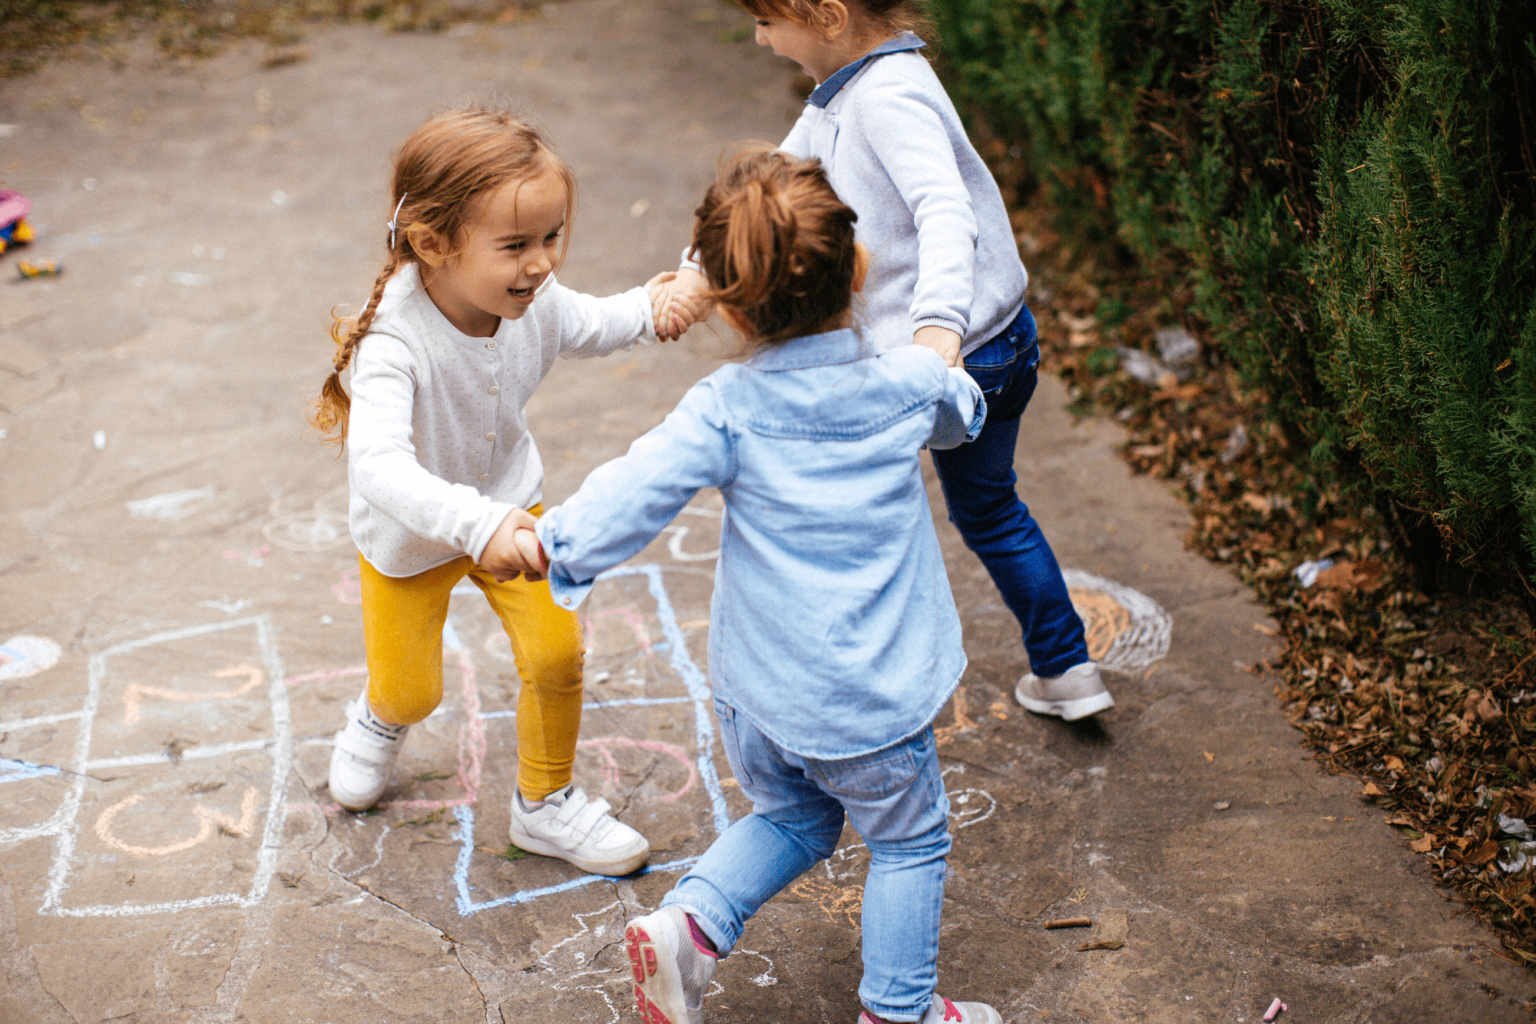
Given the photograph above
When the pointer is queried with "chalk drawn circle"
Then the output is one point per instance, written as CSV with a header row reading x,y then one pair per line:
x,y
308,531
1126,630
23,656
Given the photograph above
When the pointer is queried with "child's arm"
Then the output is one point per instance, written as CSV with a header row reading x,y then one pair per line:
x,y
514,549
908,138
960,414
942,340
624,504
593,326
678,302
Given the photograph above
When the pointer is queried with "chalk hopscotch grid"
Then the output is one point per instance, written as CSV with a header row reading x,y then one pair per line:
x,y
704,740
66,827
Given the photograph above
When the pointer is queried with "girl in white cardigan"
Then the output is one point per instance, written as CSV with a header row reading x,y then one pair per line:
x,y
464,321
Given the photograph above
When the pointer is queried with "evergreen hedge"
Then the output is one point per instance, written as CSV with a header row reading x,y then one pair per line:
x,y
1350,190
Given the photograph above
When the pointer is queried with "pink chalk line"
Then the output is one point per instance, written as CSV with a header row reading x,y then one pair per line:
x,y
611,767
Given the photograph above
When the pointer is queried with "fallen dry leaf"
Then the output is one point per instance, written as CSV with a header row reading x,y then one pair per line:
x,y
1423,844
1101,944
1371,789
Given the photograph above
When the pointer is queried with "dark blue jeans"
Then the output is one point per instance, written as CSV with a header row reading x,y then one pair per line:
x,y
979,488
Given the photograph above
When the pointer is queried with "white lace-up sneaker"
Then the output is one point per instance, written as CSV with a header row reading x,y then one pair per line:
x,y
365,753
671,973
942,1011
1076,693
569,826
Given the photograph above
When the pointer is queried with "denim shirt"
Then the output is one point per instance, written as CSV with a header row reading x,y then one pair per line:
x,y
832,626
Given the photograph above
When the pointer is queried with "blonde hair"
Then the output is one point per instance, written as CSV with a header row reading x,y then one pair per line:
x,y
441,170
887,15
776,244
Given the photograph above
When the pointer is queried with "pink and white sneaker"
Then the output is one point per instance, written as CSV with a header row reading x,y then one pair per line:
x,y
942,1011
671,972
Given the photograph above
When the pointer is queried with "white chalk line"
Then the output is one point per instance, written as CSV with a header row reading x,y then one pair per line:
x,y
280,746
18,724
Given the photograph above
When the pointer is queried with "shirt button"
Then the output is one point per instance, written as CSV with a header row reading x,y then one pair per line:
x,y
491,345
490,437
485,476
495,389
566,601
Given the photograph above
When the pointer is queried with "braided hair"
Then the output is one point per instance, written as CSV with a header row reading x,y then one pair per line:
x,y
442,169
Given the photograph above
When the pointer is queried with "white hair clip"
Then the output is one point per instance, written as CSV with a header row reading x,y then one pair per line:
x,y
393,224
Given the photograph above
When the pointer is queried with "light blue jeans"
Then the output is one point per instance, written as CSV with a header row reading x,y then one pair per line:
x,y
895,800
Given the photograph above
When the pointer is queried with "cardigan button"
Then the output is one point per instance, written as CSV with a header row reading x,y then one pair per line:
x,y
491,345
490,436
485,476
494,389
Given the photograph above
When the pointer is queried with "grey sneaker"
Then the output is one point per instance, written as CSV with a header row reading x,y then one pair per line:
x,y
941,1010
569,826
1076,693
671,973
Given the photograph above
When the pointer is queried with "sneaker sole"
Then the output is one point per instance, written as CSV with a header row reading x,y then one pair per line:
x,y
612,868
643,964
1066,710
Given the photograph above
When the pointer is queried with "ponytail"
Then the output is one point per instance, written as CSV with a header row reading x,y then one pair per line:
x,y
776,244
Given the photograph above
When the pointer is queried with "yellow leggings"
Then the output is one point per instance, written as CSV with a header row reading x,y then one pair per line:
x,y
403,629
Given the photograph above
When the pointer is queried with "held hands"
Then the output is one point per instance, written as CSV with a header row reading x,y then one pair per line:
x,y
677,302
942,340
515,550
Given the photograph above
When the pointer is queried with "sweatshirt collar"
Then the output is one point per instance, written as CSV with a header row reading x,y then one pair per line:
x,y
834,83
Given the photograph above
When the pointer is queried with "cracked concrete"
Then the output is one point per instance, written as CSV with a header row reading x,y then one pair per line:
x,y
166,527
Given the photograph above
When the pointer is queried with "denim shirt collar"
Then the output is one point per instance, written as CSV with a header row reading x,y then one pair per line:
x,y
835,82
829,349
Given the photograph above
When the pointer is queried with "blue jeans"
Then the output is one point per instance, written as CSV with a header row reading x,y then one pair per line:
x,y
893,797
979,488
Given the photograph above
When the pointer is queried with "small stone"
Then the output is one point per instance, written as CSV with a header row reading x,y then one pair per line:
x,y
1222,805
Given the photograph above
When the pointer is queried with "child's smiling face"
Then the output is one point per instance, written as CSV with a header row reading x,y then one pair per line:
x,y
509,251
818,56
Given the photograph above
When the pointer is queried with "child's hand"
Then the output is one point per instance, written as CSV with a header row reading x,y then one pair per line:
x,y
942,340
515,550
677,302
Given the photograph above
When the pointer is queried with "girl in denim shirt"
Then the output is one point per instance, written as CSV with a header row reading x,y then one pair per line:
x,y
834,640
946,273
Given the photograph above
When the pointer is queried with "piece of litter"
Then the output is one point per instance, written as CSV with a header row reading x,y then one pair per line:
x,y
602,677
1222,805
89,184
1143,367
638,209
3,433
1275,1009
326,620
1101,944
7,130
39,268
1306,572
182,277
279,197
99,439
1070,922
1176,345
1237,444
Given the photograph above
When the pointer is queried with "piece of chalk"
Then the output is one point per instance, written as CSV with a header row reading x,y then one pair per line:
x,y
1274,1009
